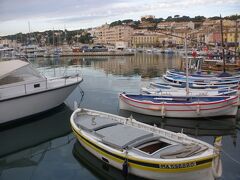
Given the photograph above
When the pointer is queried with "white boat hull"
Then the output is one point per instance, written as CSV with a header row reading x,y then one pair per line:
x,y
127,156
193,175
30,104
193,110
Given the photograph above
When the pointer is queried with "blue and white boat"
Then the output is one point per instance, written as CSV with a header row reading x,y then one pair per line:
x,y
192,86
180,106
200,76
181,80
194,92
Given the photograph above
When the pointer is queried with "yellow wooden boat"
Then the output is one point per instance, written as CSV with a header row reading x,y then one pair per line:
x,y
144,150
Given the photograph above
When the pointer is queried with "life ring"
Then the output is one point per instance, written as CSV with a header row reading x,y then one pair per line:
x,y
217,167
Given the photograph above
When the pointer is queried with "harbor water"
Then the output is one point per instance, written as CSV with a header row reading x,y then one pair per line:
x,y
43,146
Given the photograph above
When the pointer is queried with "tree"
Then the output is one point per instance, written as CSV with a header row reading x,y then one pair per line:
x,y
86,38
158,20
135,24
198,18
127,21
116,23
233,17
215,18
169,18
186,18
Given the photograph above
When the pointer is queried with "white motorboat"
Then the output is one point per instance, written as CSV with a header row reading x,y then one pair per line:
x,y
24,91
144,150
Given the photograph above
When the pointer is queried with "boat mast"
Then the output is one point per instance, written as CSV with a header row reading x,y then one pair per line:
x,y
236,37
29,31
53,37
186,59
223,55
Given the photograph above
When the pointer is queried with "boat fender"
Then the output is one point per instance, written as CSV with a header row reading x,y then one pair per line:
x,y
163,110
217,167
125,168
75,105
217,163
198,109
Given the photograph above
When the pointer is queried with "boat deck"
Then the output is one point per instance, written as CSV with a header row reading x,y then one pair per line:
x,y
137,141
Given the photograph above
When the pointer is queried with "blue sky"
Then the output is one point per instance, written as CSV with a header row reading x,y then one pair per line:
x,y
76,14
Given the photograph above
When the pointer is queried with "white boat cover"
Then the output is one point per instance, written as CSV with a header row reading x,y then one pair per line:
x,y
6,67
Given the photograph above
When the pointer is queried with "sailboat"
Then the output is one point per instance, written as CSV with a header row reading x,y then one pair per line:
x,y
181,106
55,52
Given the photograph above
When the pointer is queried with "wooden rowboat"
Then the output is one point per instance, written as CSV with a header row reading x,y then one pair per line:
x,y
180,106
143,150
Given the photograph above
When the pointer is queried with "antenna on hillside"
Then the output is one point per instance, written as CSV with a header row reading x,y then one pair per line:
x,y
29,27
29,31
65,33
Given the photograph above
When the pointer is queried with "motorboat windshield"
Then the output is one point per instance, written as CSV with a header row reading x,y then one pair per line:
x,y
16,71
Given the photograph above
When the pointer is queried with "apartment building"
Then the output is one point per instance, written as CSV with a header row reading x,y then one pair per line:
x,y
98,34
176,25
110,35
184,25
144,40
8,43
165,25
150,40
231,36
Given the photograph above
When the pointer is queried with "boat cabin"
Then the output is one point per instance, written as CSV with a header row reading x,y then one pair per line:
x,y
18,78
17,71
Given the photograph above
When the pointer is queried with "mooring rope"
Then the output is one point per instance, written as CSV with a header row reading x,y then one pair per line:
x,y
230,157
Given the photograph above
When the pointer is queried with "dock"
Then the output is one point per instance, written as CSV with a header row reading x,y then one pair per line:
x,y
83,54
107,53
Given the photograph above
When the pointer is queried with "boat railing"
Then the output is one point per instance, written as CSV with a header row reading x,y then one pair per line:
x,y
8,91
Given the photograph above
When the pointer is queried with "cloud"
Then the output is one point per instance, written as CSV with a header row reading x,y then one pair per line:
x,y
90,12
76,18
22,9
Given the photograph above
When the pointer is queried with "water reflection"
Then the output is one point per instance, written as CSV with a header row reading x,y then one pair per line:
x,y
145,65
35,130
28,144
197,127
96,166
24,158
